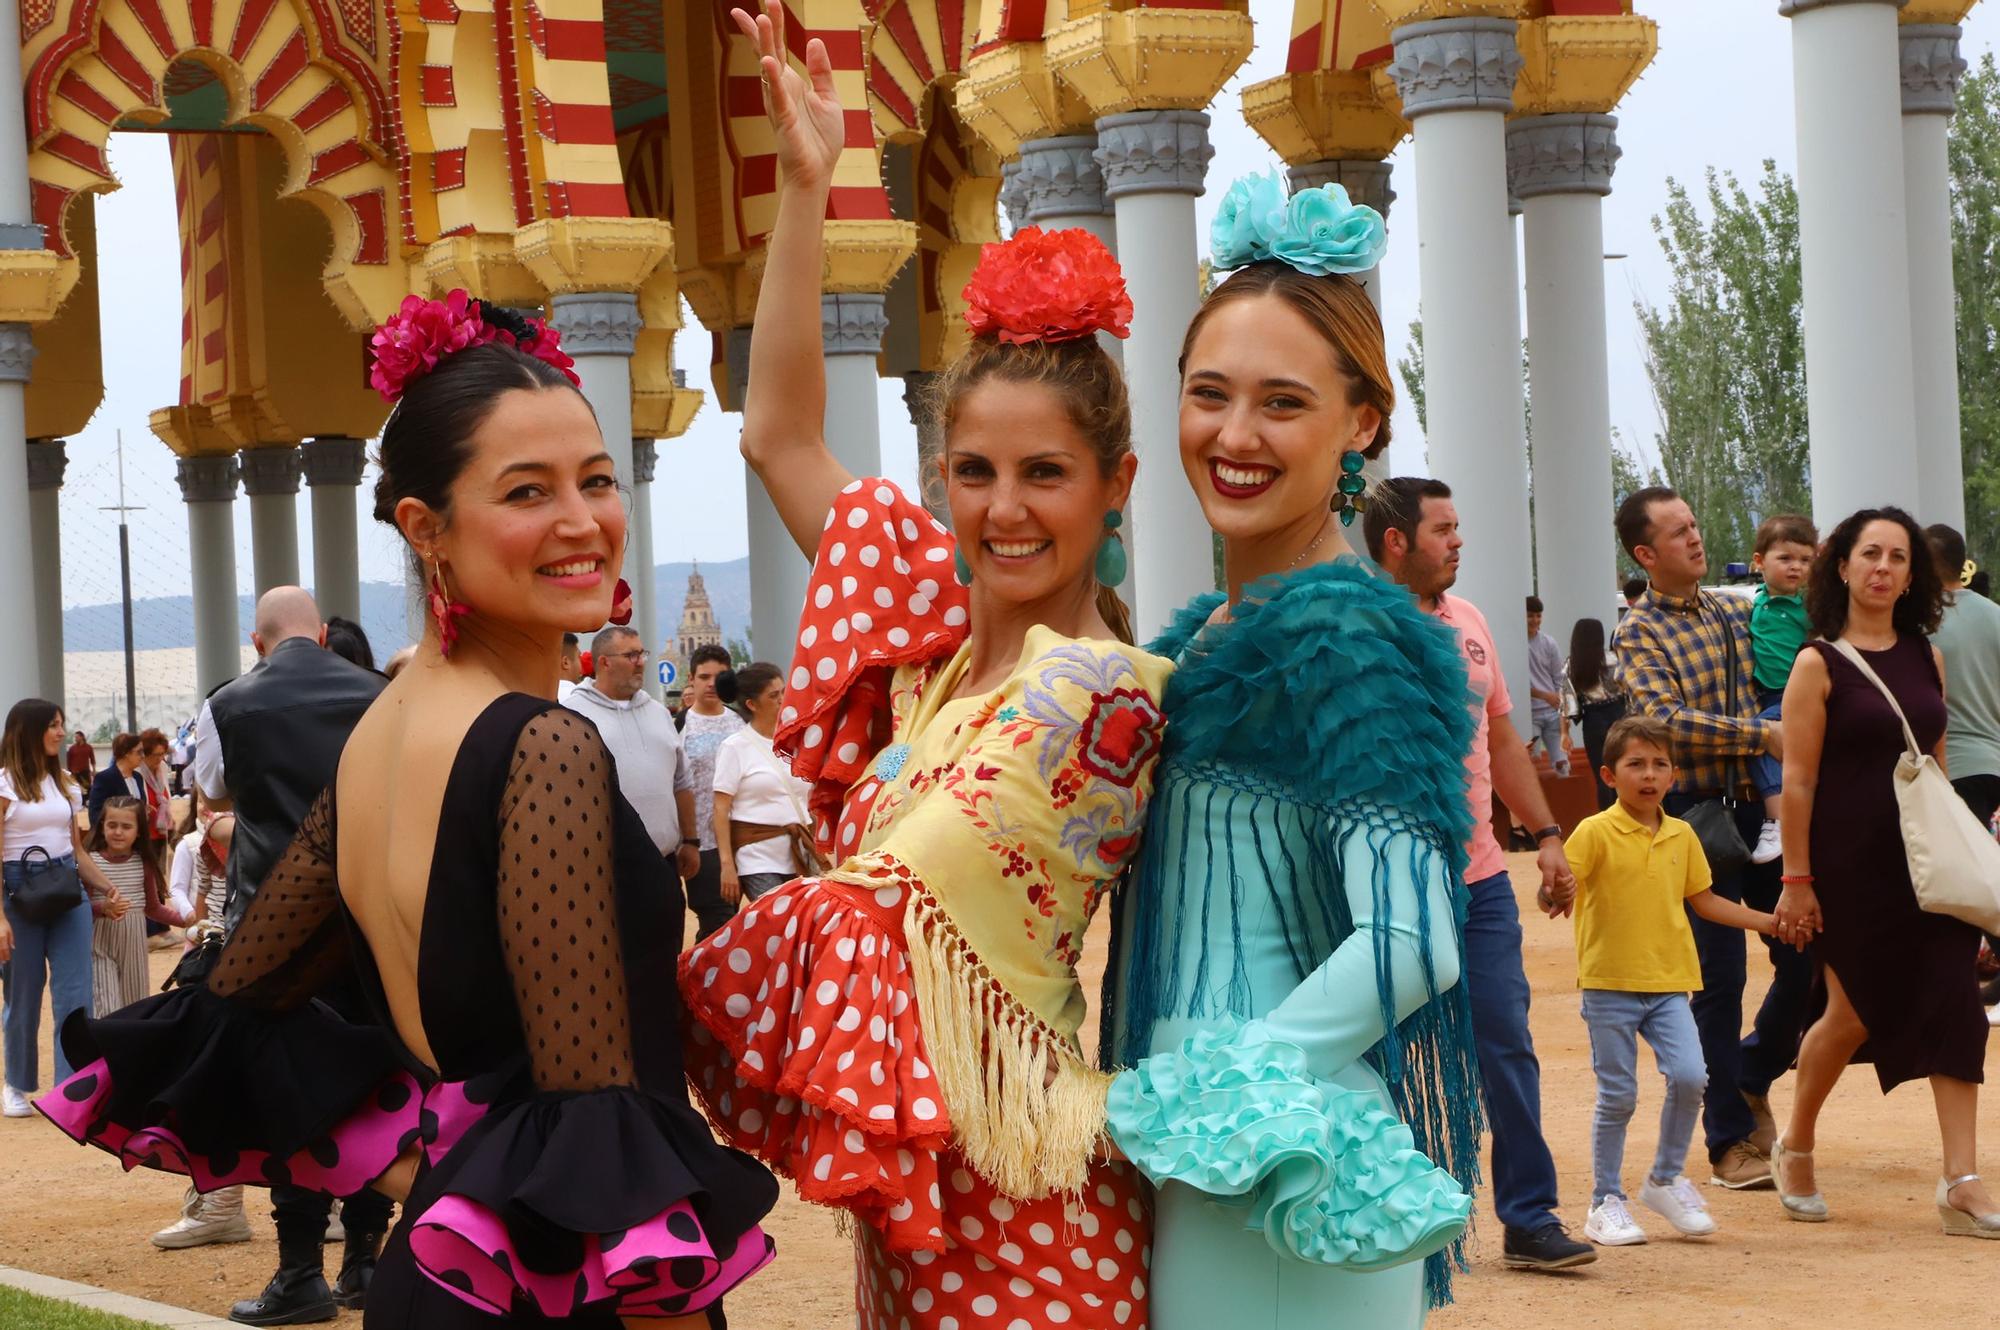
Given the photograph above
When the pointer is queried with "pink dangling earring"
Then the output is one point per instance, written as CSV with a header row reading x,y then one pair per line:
x,y
444,611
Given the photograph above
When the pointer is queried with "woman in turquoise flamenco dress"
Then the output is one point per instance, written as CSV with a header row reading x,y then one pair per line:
x,y
1300,1086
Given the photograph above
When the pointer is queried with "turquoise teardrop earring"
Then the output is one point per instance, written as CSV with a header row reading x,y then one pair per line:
x,y
1111,566
961,571
1353,487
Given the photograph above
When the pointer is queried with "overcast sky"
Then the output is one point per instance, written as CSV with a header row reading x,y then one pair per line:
x,y
1718,94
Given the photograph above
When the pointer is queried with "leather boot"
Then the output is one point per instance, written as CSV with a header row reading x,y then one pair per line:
x,y
296,1295
357,1269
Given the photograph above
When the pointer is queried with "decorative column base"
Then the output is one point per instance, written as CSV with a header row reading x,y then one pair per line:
x,y
1155,164
271,479
639,561
333,465
47,459
208,485
851,327
21,662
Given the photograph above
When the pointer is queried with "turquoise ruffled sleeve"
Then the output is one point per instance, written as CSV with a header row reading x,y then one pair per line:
x,y
1248,1111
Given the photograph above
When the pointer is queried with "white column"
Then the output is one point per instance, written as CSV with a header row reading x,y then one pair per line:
x,y
1154,163
850,333
639,561
20,663
1456,77
271,479
778,572
1854,243
1931,68
333,466
599,330
208,484
1560,166
1367,182
47,459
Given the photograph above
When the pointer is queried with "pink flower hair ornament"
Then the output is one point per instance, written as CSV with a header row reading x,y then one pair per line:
x,y
420,334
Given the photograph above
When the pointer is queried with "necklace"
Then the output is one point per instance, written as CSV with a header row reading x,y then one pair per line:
x,y
1318,540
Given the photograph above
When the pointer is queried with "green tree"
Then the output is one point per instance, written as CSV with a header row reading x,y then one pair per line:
x,y
739,649
1725,355
1974,149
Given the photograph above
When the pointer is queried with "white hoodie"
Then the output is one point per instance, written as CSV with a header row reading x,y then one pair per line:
x,y
647,750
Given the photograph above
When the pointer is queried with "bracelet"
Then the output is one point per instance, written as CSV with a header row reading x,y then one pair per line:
x,y
1796,879
1546,832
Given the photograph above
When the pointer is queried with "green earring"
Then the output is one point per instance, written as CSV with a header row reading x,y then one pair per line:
x,y
1111,563
1353,488
961,571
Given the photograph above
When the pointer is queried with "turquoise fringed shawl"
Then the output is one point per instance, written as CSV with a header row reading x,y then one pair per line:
x,y
1330,703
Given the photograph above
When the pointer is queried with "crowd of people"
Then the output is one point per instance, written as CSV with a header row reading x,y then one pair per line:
x,y
436,951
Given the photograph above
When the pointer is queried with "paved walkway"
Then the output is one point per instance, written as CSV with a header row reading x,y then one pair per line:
x,y
113,1304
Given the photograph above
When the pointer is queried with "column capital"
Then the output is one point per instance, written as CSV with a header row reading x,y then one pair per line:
x,y
1059,177
47,459
1561,154
597,323
269,470
1013,195
333,459
1928,58
1153,152
1794,8
645,456
17,352
1365,181
852,324
207,479
1455,64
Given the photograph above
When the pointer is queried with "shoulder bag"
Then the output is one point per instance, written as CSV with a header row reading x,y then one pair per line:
x,y
1714,820
1954,862
48,890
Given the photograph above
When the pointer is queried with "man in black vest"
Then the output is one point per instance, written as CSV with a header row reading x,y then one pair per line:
x,y
267,743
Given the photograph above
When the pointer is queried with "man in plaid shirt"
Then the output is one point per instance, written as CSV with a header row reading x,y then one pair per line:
x,y
1674,651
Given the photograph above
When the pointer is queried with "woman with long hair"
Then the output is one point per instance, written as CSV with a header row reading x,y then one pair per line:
x,y
1286,992
1891,975
39,803
475,870
1600,698
898,1035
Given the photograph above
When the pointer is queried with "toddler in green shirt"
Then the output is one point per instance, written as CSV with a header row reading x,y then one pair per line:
x,y
1778,630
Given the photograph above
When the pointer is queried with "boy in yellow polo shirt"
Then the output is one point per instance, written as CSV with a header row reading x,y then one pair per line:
x,y
1635,870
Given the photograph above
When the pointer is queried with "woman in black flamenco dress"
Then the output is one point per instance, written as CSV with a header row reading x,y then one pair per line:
x,y
1898,983
476,870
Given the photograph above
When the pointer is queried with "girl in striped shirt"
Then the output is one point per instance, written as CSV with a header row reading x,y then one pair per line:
x,y
121,845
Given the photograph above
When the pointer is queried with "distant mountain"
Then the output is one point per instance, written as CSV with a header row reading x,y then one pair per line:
x,y
168,621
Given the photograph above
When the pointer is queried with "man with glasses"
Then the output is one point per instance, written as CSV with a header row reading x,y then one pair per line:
x,y
653,772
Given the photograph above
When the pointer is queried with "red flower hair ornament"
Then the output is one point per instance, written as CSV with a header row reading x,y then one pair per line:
x,y
412,341
1047,286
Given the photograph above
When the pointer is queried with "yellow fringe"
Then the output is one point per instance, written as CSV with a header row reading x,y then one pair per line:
x,y
1026,1133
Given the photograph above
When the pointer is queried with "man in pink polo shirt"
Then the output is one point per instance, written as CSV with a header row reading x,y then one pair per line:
x,y
1412,532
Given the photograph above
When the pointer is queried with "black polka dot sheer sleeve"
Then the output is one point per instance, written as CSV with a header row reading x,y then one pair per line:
x,y
292,942
557,905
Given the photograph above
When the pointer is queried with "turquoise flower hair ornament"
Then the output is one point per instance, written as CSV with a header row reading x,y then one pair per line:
x,y
1318,231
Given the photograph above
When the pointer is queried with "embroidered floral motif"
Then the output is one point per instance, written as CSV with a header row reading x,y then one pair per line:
x,y
889,762
1120,736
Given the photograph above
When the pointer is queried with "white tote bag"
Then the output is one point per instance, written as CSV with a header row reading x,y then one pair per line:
x,y
1954,862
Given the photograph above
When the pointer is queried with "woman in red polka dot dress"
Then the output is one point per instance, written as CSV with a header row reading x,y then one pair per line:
x,y
899,1034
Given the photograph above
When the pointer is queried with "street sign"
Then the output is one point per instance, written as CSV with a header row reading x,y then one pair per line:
x,y
667,674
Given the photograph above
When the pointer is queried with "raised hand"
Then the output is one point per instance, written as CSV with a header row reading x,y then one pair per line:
x,y
803,109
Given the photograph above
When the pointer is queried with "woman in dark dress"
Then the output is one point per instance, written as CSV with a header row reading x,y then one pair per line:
x,y
476,870
1895,978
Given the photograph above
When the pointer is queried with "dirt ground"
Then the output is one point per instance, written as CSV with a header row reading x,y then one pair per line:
x,y
68,1212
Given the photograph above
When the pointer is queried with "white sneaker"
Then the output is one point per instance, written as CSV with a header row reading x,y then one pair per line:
x,y
1992,1017
1769,845
201,1229
1679,1204
14,1104
1611,1224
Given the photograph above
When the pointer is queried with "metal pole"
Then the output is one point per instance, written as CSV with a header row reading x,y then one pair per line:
x,y
125,586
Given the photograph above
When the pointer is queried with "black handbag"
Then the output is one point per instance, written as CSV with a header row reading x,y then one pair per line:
x,y
48,890
1714,820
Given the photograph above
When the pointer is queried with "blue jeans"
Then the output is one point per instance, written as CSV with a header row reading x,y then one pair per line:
x,y
1524,1173
1616,1022
1740,1064
57,954
1767,773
